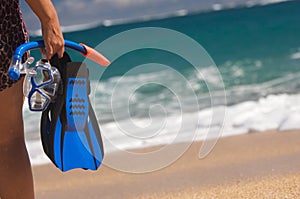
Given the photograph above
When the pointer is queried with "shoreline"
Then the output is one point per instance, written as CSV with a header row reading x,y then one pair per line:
x,y
237,163
272,112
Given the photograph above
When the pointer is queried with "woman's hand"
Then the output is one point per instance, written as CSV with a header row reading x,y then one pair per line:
x,y
53,38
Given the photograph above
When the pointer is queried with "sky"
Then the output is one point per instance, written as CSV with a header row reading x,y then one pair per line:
x,y
80,12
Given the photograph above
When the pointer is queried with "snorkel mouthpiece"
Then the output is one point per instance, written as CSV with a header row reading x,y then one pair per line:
x,y
14,73
15,68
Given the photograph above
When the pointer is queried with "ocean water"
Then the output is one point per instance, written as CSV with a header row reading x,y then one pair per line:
x,y
256,50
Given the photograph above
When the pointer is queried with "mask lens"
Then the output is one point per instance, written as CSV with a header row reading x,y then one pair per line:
x,y
49,89
38,101
42,76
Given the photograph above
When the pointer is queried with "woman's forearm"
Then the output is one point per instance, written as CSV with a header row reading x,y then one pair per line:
x,y
43,9
51,31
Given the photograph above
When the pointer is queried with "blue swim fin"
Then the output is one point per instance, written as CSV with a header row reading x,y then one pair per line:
x,y
69,129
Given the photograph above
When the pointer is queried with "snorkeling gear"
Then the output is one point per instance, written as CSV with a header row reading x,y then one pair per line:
x,y
70,132
42,81
69,129
40,85
16,67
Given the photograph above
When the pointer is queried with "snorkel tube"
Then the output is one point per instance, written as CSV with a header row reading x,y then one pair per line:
x,y
16,67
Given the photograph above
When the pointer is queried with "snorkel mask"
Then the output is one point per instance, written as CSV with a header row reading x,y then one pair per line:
x,y
42,82
40,85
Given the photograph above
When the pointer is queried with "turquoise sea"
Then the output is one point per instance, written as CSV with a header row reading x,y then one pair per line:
x,y
250,46
256,50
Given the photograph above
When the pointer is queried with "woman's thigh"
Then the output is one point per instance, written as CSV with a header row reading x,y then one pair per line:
x,y
15,172
11,121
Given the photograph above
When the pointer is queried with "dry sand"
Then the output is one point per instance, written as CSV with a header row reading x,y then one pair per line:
x,y
255,165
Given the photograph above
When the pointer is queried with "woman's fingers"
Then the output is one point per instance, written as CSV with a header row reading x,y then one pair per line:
x,y
53,47
49,51
61,51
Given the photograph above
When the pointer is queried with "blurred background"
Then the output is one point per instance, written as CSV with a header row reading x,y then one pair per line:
x,y
254,43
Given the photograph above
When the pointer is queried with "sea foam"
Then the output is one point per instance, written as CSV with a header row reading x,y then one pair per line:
x,y
274,112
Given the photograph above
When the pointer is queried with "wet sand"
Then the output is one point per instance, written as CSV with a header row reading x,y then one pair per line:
x,y
254,165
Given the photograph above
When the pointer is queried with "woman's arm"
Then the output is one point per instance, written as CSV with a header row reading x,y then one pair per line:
x,y
52,35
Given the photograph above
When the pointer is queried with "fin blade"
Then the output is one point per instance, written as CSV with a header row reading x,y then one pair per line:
x,y
97,148
76,152
58,136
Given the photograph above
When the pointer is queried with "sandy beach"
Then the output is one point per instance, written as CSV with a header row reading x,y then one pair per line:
x,y
254,165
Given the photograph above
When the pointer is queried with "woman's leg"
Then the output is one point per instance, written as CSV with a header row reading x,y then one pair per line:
x,y
15,171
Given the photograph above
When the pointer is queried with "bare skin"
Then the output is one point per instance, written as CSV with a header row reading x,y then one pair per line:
x,y
51,32
15,171
16,179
